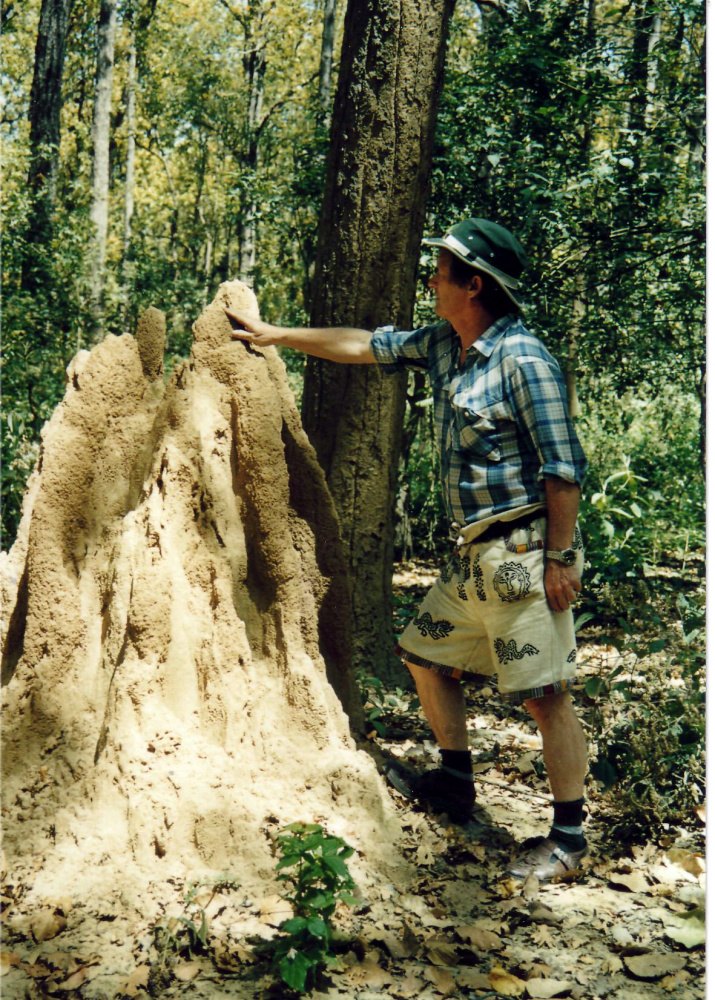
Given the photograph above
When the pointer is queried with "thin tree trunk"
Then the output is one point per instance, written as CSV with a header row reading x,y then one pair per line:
x,y
368,246
99,208
44,115
255,69
127,268
326,55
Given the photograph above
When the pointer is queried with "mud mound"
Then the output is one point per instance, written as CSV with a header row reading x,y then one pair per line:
x,y
176,646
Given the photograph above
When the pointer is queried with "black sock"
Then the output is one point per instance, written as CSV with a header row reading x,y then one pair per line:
x,y
457,763
567,827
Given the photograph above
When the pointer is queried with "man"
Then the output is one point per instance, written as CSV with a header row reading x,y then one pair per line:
x,y
511,468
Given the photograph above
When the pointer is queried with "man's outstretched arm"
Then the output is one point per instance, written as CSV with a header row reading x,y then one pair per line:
x,y
343,344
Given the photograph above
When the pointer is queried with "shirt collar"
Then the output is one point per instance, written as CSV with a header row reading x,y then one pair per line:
x,y
491,337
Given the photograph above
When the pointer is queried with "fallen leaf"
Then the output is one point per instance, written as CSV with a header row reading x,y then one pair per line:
x,y
136,981
38,970
74,981
441,952
423,855
530,888
47,924
368,973
408,987
694,864
542,936
442,980
7,960
612,963
506,984
507,888
473,979
544,989
540,913
652,965
633,881
186,972
273,910
537,970
672,983
482,940
700,812
686,928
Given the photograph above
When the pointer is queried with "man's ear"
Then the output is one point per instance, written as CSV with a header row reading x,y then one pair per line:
x,y
475,286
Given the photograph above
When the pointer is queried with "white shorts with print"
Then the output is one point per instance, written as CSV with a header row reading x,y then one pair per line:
x,y
488,614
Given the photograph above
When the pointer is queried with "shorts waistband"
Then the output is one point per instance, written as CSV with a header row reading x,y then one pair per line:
x,y
502,529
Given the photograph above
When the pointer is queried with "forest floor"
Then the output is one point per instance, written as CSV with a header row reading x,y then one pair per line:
x,y
627,926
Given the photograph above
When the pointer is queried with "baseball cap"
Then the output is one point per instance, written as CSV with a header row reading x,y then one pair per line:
x,y
489,247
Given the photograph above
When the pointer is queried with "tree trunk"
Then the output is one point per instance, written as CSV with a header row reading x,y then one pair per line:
x,y
99,208
326,55
131,112
44,115
373,213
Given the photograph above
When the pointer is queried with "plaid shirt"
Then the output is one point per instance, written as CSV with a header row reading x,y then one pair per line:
x,y
502,419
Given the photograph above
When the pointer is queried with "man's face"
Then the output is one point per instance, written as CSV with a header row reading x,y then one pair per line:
x,y
451,299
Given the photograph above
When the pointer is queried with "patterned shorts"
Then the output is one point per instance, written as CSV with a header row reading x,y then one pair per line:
x,y
487,614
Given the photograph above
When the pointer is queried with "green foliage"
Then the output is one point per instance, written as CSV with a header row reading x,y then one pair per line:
x,y
313,867
649,721
379,702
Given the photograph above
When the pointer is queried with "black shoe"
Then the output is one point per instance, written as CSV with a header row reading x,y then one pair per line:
x,y
443,792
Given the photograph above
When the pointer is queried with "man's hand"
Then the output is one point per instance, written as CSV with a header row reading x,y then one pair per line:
x,y
561,584
252,330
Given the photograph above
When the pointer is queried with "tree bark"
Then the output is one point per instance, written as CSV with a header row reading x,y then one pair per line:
x,y
99,207
44,115
368,245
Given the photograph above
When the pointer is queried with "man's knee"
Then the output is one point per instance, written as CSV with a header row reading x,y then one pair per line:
x,y
549,707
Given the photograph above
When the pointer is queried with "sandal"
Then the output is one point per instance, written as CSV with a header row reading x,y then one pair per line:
x,y
546,859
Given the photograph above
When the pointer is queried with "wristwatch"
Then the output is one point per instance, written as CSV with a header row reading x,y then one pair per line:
x,y
565,556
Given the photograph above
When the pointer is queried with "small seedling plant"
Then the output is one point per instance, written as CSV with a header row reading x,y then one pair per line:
x,y
312,865
186,935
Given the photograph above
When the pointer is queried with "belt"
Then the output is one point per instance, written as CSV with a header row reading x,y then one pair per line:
x,y
502,529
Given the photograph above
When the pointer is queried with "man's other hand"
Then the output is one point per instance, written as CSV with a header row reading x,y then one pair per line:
x,y
562,584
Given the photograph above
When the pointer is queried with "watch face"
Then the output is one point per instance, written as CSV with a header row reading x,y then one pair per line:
x,y
568,556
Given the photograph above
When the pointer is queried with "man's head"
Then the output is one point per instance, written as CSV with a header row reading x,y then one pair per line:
x,y
485,249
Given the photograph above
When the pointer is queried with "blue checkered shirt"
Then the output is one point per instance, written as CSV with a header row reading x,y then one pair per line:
x,y
501,420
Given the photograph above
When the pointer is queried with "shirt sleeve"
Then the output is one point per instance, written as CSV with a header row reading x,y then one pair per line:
x,y
395,350
539,399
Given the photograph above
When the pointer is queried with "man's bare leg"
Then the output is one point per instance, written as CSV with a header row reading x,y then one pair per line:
x,y
565,757
442,701
565,752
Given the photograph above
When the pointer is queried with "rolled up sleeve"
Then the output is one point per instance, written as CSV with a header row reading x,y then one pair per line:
x,y
539,399
396,350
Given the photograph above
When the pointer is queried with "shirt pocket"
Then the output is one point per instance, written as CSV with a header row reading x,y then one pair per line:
x,y
477,433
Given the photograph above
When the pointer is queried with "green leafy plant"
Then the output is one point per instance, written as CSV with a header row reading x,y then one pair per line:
x,y
649,720
379,702
312,865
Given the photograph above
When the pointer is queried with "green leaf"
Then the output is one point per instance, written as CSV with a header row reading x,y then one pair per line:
x,y
317,927
337,865
656,645
593,687
294,925
294,971
603,771
583,619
